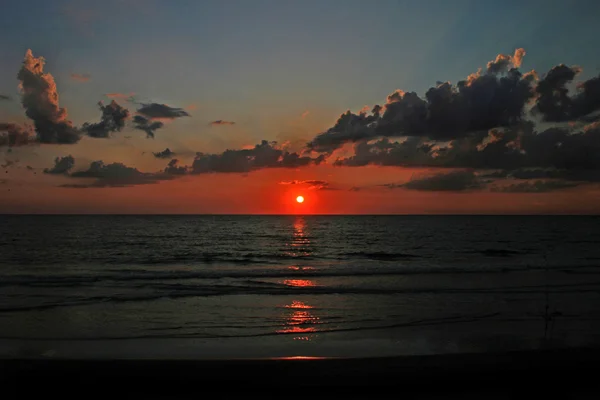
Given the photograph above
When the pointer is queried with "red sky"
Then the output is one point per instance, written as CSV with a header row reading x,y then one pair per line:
x,y
261,193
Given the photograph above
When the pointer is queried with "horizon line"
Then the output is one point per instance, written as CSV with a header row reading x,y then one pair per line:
x,y
315,215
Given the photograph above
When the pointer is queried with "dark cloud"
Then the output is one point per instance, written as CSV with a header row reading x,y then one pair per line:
x,y
174,169
520,152
147,125
62,165
410,152
221,122
15,135
81,77
479,103
539,186
5,97
161,111
311,184
455,181
115,175
40,100
555,104
112,120
263,155
553,101
166,153
349,127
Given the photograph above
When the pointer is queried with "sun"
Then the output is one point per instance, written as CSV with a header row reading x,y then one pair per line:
x,y
300,199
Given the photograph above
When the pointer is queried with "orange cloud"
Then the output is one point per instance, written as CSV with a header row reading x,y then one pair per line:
x,y
517,59
311,184
121,96
81,77
305,114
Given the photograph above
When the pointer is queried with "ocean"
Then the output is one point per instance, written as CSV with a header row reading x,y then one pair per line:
x,y
295,286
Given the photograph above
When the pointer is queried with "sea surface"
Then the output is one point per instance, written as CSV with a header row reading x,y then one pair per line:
x,y
285,286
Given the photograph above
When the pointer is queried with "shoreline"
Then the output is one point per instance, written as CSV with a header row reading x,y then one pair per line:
x,y
562,369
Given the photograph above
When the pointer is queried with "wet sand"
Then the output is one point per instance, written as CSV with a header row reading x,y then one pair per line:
x,y
493,375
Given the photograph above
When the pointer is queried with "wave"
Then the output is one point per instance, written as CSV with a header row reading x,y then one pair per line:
x,y
193,335
498,252
175,291
140,276
381,255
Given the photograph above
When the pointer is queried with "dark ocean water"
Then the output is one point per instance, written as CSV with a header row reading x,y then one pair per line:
x,y
405,284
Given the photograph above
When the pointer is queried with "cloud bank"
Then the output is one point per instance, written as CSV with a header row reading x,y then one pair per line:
x,y
264,155
114,175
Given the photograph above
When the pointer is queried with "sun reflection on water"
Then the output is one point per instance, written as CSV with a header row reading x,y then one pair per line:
x,y
300,320
298,305
298,316
299,245
299,282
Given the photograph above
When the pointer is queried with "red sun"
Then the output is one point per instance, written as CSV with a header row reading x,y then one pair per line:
x,y
300,199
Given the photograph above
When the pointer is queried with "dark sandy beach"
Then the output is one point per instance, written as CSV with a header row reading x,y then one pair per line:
x,y
569,372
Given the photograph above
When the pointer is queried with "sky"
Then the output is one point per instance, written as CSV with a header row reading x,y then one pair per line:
x,y
395,107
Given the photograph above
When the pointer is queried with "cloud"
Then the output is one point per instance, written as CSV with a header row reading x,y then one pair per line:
x,y
413,151
39,97
5,97
173,168
455,181
479,103
553,101
561,153
121,96
115,175
221,122
147,125
517,58
555,104
15,135
305,114
62,165
264,155
166,153
539,186
112,120
312,184
81,77
503,62
161,111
